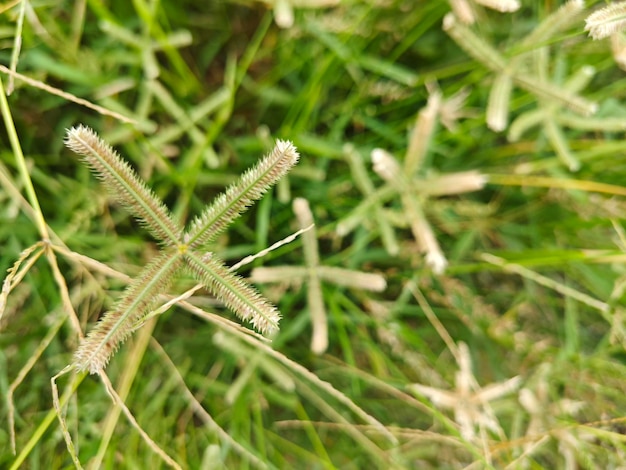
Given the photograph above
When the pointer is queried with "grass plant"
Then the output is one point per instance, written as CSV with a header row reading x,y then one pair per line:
x,y
447,257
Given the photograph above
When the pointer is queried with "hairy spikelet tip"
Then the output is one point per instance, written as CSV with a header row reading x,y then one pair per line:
x,y
287,149
77,137
606,21
268,324
93,353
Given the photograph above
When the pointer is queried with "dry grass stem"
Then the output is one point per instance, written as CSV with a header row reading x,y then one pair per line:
x,y
15,275
66,96
203,414
131,419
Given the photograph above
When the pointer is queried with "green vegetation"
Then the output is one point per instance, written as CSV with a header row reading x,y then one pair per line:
x,y
458,303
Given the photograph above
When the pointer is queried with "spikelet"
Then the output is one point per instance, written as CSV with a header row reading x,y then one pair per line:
x,y
234,292
237,198
123,183
129,312
95,351
606,21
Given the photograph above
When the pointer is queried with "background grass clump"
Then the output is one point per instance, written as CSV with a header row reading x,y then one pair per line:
x,y
498,339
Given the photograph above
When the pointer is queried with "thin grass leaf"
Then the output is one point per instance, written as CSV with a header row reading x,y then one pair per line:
x,y
133,422
17,46
559,287
203,415
95,351
237,198
234,292
60,410
124,184
55,326
231,344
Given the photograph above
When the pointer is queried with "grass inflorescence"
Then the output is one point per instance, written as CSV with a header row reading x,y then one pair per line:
x,y
446,259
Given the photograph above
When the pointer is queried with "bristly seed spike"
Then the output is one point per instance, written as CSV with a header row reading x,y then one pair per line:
x,y
237,198
102,342
123,183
